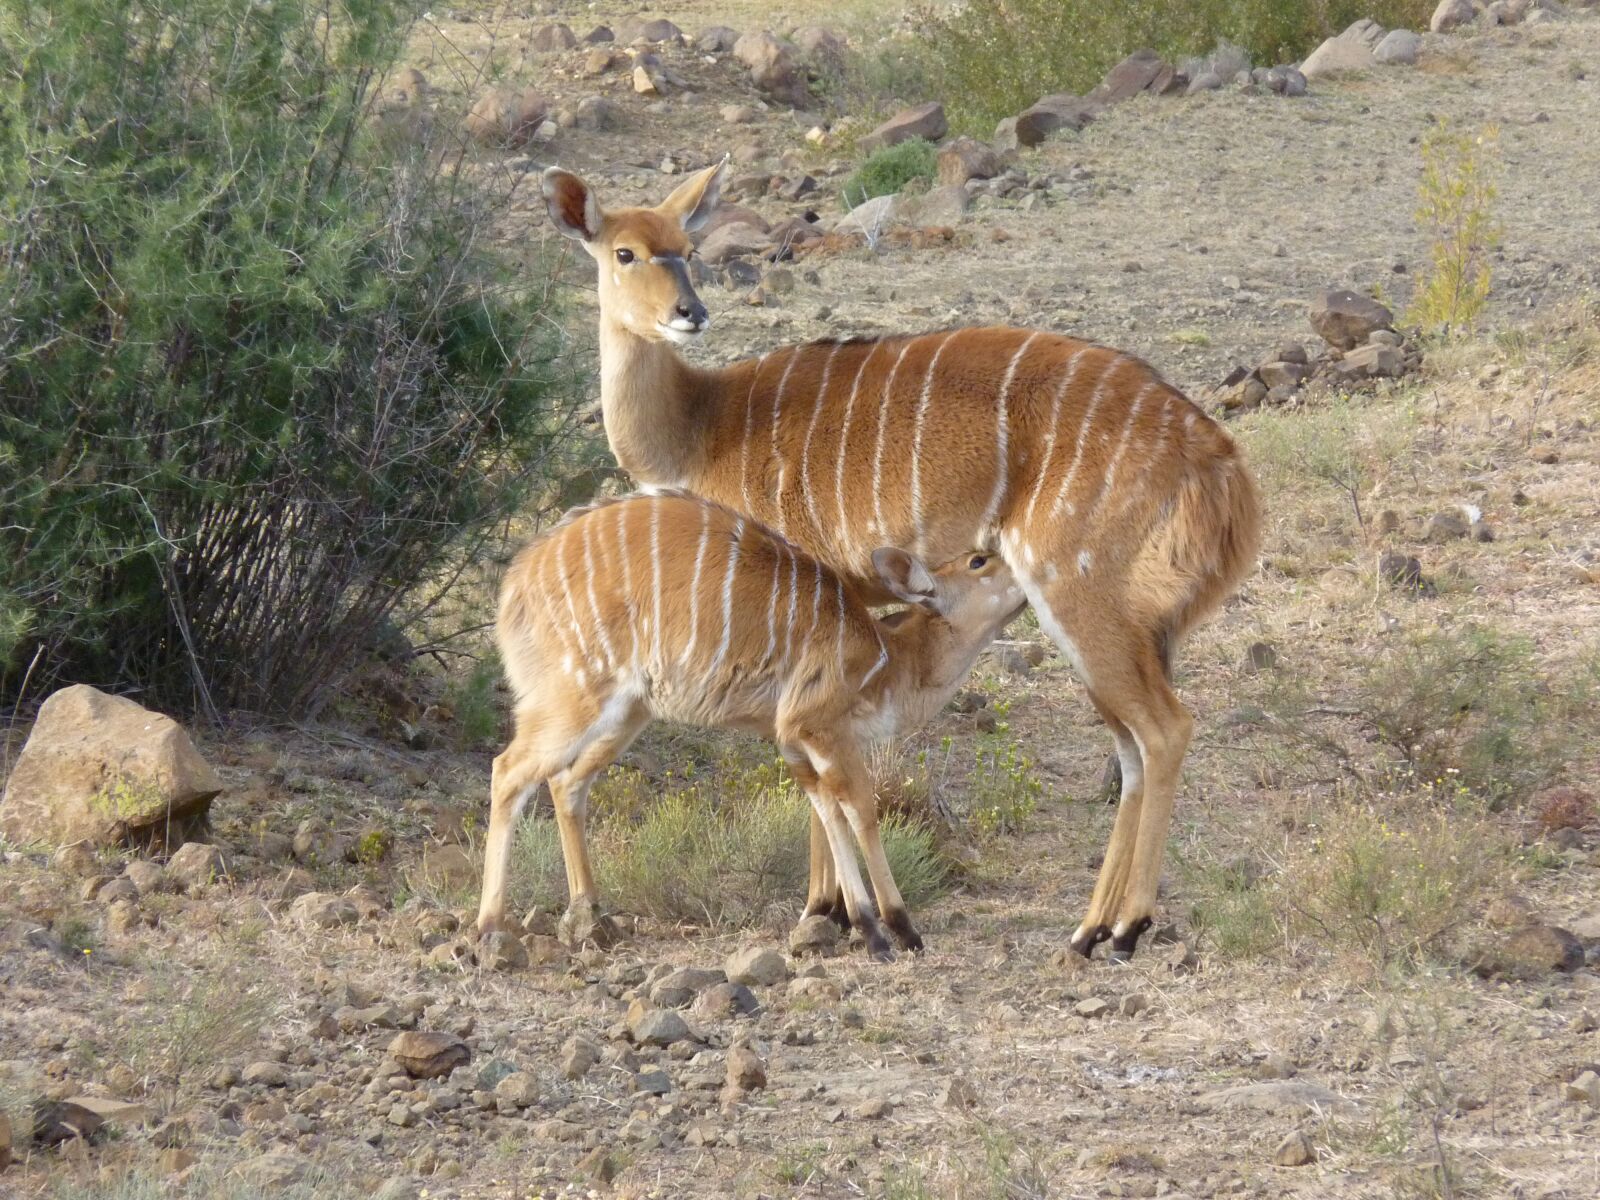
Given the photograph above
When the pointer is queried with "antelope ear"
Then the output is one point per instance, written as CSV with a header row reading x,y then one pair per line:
x,y
905,577
572,204
694,200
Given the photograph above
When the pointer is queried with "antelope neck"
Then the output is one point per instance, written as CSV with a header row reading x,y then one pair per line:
x,y
653,405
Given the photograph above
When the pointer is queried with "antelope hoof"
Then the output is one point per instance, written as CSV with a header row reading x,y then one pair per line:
x,y
899,922
877,945
1087,938
1126,940
585,924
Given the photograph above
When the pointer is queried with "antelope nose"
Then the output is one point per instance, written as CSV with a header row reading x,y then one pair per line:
x,y
693,312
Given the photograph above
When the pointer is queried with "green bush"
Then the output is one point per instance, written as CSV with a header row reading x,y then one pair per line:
x,y
888,170
990,59
260,376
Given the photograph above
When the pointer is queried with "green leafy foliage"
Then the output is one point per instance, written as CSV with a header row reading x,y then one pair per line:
x,y
259,375
1457,195
888,170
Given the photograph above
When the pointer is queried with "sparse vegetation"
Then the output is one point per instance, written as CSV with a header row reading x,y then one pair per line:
x,y
990,59
888,170
1394,878
196,1021
721,847
1457,213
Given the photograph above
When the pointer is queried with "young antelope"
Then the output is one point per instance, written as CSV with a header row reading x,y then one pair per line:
x,y
667,606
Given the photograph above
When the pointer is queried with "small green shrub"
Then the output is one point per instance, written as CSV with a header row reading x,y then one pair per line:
x,y
887,171
474,701
1004,788
1457,201
1232,913
1396,878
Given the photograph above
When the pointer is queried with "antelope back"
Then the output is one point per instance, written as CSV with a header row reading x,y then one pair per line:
x,y
679,598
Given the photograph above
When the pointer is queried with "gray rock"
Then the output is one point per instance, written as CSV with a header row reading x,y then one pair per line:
x,y
726,1000
1585,1089
519,1089
1399,47
1338,56
1530,953
869,218
1295,1150
1258,657
1365,31
578,1057
814,935
502,951
320,910
941,206
595,113
716,39
926,121
1044,117
1283,374
736,241
196,864
1445,527
426,1055
1346,320
1092,1008
1134,74
552,37
1206,81
746,1070
659,1027
265,1074
1452,14
679,988
756,967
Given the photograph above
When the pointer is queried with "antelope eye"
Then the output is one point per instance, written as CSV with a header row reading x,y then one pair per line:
x,y
977,562
624,256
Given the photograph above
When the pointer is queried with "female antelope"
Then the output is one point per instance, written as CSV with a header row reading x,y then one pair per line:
x,y
1125,513
667,606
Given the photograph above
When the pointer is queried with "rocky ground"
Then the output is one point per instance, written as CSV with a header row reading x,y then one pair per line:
x,y
304,1017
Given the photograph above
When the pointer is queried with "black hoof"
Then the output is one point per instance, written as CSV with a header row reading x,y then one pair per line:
x,y
1124,944
904,931
877,945
1085,943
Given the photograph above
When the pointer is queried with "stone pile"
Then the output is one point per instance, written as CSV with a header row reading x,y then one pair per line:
x,y
1361,347
1452,15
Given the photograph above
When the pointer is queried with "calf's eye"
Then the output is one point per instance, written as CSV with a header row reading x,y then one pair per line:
x,y
978,562
624,256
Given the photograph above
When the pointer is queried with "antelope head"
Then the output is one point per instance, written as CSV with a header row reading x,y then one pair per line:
x,y
642,253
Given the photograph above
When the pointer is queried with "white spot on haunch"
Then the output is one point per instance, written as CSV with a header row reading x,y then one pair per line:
x,y
1050,573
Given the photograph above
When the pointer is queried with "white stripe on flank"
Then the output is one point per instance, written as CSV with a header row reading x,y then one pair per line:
x,y
629,606
916,444
883,661
794,603
727,600
694,585
844,438
749,432
816,604
772,603
1083,432
541,586
1002,478
594,604
777,403
805,451
656,663
1067,377
565,581
1109,482
1163,442
877,458
838,587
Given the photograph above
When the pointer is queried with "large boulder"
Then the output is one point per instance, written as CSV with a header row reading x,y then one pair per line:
x,y
1044,117
773,67
1338,55
1346,319
1137,73
926,121
100,769
1453,14
966,158
504,117
548,39
1399,47
819,46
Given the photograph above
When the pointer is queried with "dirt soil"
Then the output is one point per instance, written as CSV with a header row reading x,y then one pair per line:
x,y
1195,233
